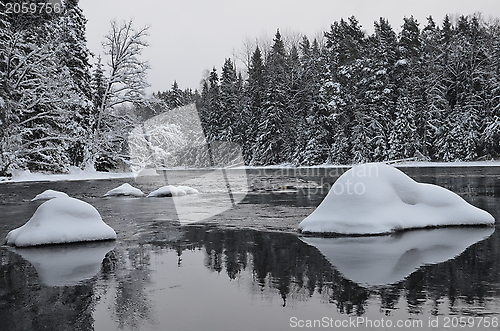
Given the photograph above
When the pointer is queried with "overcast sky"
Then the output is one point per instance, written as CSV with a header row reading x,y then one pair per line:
x,y
189,37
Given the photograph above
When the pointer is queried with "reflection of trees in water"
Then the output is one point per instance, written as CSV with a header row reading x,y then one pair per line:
x,y
25,304
282,264
279,263
274,265
128,269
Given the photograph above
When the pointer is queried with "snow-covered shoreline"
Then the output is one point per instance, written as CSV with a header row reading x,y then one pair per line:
x,y
77,174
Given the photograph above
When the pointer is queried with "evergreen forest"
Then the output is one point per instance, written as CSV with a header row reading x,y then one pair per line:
x,y
426,91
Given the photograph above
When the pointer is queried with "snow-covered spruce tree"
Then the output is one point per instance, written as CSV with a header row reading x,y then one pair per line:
x,y
125,84
213,108
491,125
272,129
403,139
410,102
380,89
317,126
466,77
229,102
254,91
98,87
343,91
175,98
74,55
303,100
435,105
293,107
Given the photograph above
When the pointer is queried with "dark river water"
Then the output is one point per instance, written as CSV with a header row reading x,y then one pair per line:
x,y
230,259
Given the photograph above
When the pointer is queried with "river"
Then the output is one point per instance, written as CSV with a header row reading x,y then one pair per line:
x,y
231,259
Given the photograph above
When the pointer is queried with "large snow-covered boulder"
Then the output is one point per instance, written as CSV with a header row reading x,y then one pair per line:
x,y
49,194
376,198
384,260
61,220
125,190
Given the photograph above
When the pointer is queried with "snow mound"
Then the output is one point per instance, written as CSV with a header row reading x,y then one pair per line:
x,y
66,265
385,260
61,220
188,190
49,194
125,190
167,191
376,198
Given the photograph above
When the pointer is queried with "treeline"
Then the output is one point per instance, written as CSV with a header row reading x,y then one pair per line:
x,y
431,92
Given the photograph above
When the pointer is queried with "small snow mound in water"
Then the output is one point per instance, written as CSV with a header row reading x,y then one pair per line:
x,y
49,194
61,220
167,191
125,190
377,198
188,190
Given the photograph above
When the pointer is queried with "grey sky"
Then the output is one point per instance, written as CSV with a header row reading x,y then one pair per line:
x,y
191,36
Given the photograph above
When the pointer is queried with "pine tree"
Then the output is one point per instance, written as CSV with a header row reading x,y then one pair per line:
x,y
435,105
229,102
175,97
381,88
74,55
272,132
255,90
403,140
342,90
213,108
315,129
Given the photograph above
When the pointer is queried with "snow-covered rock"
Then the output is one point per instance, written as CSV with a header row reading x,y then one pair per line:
x,y
125,190
61,220
66,265
377,198
188,189
49,194
384,260
167,191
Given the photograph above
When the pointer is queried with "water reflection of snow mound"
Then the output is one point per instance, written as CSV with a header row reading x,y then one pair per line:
x,y
66,265
384,260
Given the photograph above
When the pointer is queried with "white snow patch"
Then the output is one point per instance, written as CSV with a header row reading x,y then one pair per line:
x,y
49,194
66,265
377,198
125,190
188,190
384,260
74,174
61,220
167,191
